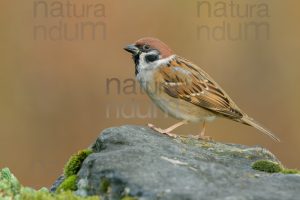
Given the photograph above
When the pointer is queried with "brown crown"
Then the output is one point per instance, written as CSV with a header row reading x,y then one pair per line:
x,y
154,43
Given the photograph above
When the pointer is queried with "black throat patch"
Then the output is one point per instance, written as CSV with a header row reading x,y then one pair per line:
x,y
136,59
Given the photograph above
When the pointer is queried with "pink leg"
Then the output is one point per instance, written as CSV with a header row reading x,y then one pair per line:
x,y
167,131
202,135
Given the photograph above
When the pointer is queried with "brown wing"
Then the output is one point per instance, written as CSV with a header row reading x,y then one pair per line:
x,y
181,79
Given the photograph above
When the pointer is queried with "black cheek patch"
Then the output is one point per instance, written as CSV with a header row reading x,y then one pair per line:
x,y
151,58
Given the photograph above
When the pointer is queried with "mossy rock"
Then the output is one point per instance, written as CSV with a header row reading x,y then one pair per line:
x,y
272,167
128,198
267,166
68,180
290,171
68,184
104,185
136,162
43,195
74,163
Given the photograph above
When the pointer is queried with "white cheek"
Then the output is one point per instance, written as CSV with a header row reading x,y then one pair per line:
x,y
144,65
146,70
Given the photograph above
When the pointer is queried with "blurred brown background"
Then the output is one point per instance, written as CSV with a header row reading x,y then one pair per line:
x,y
54,99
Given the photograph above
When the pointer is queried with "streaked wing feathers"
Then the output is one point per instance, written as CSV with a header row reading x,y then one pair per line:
x,y
181,79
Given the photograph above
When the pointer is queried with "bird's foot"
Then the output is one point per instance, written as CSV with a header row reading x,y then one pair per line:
x,y
202,137
162,131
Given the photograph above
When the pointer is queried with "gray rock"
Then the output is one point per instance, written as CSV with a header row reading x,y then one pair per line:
x,y
58,181
136,161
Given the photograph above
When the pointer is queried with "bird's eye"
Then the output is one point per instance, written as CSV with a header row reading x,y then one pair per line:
x,y
146,47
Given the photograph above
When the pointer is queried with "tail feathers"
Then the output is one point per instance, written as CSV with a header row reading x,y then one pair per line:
x,y
251,122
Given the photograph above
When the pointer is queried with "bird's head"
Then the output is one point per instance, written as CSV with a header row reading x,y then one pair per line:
x,y
148,50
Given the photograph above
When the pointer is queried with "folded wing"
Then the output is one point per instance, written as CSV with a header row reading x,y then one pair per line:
x,y
180,79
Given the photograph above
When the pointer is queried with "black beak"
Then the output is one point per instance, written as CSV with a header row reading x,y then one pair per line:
x,y
132,49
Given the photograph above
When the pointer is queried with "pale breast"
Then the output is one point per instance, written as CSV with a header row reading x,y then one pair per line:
x,y
152,82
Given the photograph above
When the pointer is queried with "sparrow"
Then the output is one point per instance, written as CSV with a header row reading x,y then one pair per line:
x,y
182,89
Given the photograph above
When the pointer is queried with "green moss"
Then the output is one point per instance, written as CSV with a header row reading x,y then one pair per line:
x,y
290,171
74,163
272,167
68,184
9,184
10,188
128,198
267,166
71,169
43,195
104,185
